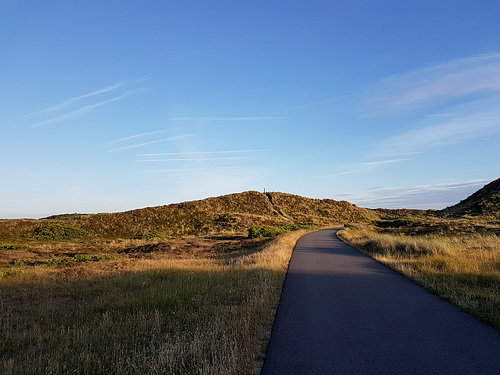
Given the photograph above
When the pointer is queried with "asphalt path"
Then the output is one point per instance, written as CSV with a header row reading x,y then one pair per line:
x,y
341,312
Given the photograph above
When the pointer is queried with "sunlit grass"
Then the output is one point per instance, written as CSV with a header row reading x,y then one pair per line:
x,y
199,315
464,269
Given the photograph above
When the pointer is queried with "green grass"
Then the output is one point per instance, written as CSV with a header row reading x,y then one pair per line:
x,y
11,272
265,231
57,232
13,247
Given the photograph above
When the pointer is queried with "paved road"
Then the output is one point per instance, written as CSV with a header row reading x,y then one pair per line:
x,y
341,312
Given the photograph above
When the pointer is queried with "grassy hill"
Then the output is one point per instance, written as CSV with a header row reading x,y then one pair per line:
x,y
182,289
178,289
230,214
484,202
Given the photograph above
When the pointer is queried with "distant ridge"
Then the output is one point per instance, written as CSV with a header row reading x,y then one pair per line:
x,y
485,201
232,213
229,215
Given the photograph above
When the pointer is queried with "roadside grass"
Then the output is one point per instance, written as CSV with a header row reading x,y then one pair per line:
x,y
463,269
154,313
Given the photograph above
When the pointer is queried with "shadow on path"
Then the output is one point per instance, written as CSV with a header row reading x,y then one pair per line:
x,y
341,312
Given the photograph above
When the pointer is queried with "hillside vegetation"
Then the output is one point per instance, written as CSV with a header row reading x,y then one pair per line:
x,y
484,202
226,215
188,288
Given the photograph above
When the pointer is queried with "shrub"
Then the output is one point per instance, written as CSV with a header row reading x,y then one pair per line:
x,y
13,247
10,272
23,262
58,232
265,231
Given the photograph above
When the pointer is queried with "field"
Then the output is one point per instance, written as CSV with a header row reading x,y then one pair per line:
x,y
186,306
191,288
456,259
181,289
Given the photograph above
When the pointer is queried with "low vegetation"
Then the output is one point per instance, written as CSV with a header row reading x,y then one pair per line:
x,y
191,288
485,202
461,267
13,247
57,232
229,215
186,306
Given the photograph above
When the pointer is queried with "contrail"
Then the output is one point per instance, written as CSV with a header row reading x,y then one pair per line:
x,y
69,102
79,112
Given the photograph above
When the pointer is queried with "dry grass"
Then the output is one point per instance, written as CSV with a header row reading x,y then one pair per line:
x,y
204,312
321,212
464,269
228,215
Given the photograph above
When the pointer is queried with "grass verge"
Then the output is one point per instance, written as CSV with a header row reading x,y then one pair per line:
x,y
463,269
201,315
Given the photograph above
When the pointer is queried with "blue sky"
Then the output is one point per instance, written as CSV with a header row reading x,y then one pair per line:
x,y
115,105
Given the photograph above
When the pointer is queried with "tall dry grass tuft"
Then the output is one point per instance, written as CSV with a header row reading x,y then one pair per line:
x,y
200,315
462,269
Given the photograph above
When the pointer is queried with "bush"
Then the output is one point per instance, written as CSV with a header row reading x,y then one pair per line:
x,y
265,231
23,262
10,272
58,232
13,247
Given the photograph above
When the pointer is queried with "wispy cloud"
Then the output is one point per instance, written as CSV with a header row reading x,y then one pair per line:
x,y
128,138
142,144
137,145
468,122
83,104
74,100
79,112
436,84
382,162
363,167
201,152
196,156
168,171
248,118
435,196
191,159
